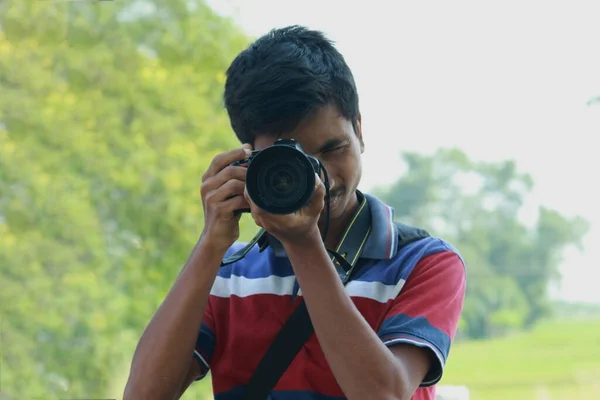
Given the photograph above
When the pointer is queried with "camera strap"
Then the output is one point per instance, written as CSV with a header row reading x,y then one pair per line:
x,y
259,238
298,328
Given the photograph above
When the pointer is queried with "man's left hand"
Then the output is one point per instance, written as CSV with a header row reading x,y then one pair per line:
x,y
296,227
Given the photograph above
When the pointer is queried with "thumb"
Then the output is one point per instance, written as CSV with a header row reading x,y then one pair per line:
x,y
318,198
319,185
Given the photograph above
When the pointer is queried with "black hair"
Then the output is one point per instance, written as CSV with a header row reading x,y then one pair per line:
x,y
283,77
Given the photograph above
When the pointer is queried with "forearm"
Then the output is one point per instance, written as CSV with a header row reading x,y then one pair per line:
x,y
162,357
362,365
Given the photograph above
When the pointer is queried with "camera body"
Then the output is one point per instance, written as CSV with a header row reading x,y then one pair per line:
x,y
281,178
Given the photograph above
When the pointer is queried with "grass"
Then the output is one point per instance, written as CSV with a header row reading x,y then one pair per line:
x,y
555,361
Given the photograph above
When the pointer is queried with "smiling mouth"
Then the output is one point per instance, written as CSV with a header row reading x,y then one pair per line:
x,y
334,200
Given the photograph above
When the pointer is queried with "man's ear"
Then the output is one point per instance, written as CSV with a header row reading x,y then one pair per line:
x,y
359,133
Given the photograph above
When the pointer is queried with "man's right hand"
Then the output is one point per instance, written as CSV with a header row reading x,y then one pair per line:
x,y
222,193
162,365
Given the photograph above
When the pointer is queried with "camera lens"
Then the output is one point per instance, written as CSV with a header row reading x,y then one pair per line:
x,y
280,179
281,183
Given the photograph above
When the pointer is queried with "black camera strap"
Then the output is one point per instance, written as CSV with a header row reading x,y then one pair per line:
x,y
259,238
298,328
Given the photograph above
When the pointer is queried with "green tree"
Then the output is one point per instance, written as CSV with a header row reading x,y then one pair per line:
x,y
477,206
593,101
109,114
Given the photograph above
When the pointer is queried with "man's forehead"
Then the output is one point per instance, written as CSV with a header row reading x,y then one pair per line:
x,y
312,133
311,144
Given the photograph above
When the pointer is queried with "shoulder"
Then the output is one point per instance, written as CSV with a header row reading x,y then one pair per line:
x,y
425,250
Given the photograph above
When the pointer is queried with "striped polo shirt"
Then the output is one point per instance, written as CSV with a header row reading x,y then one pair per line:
x,y
414,296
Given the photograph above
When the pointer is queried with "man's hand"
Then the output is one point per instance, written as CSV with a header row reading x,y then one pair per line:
x,y
222,193
297,227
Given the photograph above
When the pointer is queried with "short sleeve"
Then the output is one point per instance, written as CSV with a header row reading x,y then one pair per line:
x,y
205,344
428,308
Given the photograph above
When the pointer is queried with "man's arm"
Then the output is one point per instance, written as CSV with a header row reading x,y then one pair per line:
x,y
163,365
362,364
426,312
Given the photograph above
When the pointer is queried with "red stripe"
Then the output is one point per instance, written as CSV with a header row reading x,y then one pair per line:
x,y
245,328
435,290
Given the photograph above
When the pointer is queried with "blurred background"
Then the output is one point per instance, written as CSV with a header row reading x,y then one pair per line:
x,y
480,121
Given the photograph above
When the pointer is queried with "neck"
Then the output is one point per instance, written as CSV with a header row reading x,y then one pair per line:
x,y
338,226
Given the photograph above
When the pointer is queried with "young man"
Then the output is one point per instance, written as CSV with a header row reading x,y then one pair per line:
x,y
385,335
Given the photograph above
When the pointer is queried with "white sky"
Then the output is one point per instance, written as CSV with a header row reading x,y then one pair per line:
x,y
502,80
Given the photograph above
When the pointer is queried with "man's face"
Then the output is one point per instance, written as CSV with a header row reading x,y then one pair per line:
x,y
329,137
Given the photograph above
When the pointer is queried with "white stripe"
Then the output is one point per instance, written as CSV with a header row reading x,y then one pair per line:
x,y
197,354
206,366
374,290
243,287
394,237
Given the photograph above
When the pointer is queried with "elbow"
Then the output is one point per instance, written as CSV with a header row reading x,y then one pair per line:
x,y
129,393
394,391
136,389
399,388
395,395
383,395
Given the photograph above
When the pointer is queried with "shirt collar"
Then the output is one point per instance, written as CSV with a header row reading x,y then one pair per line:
x,y
382,240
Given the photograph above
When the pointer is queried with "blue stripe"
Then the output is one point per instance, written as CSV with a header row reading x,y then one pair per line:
x,y
381,228
237,394
257,265
419,328
389,272
263,265
206,342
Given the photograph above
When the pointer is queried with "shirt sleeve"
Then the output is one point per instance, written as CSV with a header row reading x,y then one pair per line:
x,y
427,310
205,344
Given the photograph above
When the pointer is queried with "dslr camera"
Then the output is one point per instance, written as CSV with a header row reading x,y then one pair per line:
x,y
281,178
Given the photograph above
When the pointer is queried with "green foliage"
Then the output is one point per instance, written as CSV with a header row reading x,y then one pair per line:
x,y
477,206
556,360
109,114
595,100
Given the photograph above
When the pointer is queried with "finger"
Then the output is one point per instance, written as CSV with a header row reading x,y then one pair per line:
x,y
228,173
318,198
318,181
229,189
247,146
222,160
319,185
225,175
228,207
254,209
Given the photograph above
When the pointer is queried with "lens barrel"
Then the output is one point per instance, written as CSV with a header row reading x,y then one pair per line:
x,y
280,179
